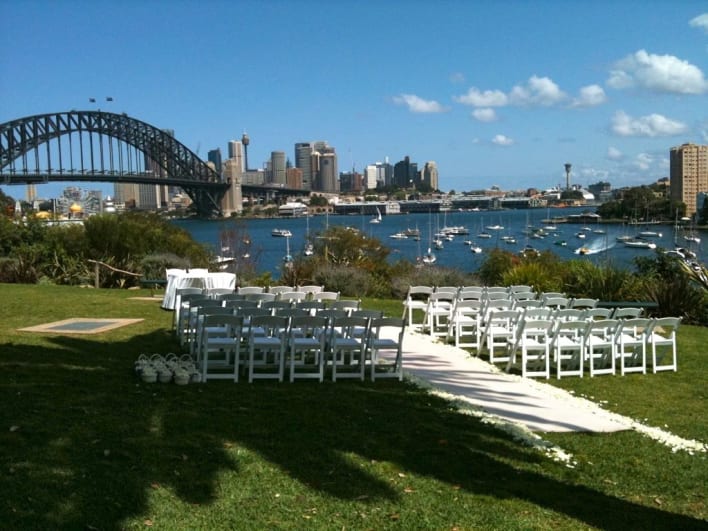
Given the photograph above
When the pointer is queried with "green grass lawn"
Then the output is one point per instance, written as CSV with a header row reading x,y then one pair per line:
x,y
85,445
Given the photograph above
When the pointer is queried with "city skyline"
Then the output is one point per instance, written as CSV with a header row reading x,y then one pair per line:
x,y
496,94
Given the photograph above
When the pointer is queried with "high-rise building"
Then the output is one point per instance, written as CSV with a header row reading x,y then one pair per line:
x,y
277,167
293,178
405,173
430,175
303,160
233,173
214,156
328,174
689,174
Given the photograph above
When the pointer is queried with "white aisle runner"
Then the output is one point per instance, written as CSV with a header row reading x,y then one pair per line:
x,y
536,405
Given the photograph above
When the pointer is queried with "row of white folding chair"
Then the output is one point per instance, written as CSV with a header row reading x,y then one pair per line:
x,y
304,339
601,344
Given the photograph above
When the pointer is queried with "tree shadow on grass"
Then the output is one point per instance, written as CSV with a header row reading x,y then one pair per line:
x,y
89,444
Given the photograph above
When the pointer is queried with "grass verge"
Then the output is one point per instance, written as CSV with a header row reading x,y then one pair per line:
x,y
84,444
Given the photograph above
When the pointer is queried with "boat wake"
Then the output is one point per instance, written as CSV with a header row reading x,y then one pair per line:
x,y
597,246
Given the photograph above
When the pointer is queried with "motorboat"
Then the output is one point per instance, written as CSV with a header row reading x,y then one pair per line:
x,y
429,257
484,235
650,234
281,233
640,244
475,249
582,250
399,236
561,243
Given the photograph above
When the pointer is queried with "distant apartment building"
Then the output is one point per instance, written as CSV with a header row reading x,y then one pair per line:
x,y
405,173
214,156
430,175
688,174
351,182
303,161
378,175
277,167
293,178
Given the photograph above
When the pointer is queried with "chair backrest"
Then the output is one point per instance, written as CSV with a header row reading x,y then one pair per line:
x,y
537,313
233,324
665,326
216,293
568,329
627,313
635,327
248,290
231,297
498,296
312,307
603,329
527,303
496,289
521,288
368,313
325,296
468,307
447,289
345,304
396,326
332,314
569,314
268,326
471,292
555,302
292,296
291,312
276,305
260,297
597,313
419,292
350,327
280,289
311,289
583,303
309,325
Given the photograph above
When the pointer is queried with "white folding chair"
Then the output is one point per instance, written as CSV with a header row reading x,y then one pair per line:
x,y
531,340
631,345
437,312
661,337
385,347
627,313
568,347
465,323
347,346
221,341
499,327
306,346
267,341
276,290
600,346
416,301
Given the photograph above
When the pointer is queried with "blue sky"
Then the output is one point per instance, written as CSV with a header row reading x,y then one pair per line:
x,y
497,93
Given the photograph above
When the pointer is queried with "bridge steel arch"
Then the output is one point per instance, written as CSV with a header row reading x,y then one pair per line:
x,y
27,157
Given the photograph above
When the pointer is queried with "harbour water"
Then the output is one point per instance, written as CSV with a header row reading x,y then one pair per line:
x,y
598,240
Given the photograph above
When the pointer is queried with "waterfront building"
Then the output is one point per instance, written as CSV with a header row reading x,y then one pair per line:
x,y
351,182
430,175
277,167
405,173
214,156
688,174
303,161
328,175
293,178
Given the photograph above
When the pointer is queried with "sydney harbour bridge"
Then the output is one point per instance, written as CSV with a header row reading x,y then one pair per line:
x,y
99,146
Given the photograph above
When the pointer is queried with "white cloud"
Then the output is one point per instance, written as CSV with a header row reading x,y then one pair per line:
x,y
643,161
614,154
485,115
651,125
701,21
457,77
537,91
419,105
488,98
502,140
658,73
590,96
